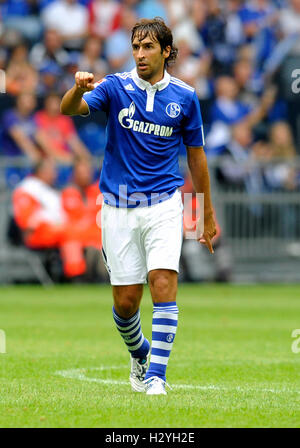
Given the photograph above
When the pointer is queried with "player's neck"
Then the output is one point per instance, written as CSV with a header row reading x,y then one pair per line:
x,y
155,78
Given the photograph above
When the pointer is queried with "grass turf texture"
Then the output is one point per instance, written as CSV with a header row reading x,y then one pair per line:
x,y
232,341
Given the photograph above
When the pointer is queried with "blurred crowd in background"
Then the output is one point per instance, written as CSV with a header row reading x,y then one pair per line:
x,y
239,55
242,57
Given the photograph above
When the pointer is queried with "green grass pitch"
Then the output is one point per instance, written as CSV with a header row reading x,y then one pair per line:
x,y
232,363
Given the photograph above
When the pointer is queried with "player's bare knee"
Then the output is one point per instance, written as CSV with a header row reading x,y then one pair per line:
x,y
162,284
127,299
126,307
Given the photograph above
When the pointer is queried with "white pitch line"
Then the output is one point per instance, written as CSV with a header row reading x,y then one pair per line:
x,y
79,374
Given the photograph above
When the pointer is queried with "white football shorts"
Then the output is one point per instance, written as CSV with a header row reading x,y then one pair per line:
x,y
138,240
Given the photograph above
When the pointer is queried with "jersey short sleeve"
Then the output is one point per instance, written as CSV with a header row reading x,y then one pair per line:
x,y
192,126
98,99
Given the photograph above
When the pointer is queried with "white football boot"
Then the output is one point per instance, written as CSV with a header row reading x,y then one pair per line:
x,y
155,386
137,374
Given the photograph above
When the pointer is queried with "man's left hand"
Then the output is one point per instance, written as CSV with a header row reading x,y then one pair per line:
x,y
209,232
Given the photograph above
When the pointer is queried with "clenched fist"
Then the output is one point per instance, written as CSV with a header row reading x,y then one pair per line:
x,y
84,81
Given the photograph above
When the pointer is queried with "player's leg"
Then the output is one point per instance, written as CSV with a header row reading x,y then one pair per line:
x,y
126,315
163,287
126,265
163,246
127,299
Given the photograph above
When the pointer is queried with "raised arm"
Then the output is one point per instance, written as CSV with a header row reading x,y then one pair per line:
x,y
72,102
200,176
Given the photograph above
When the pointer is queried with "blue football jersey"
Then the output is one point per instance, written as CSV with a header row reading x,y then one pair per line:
x,y
146,125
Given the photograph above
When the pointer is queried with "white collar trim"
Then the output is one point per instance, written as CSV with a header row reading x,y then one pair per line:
x,y
145,85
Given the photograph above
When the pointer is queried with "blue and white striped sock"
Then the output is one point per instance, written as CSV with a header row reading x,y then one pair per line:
x,y
130,330
164,326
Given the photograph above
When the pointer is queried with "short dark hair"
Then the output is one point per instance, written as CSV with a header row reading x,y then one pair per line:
x,y
157,30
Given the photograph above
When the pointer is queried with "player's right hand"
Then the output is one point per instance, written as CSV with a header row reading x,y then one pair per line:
x,y
84,81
